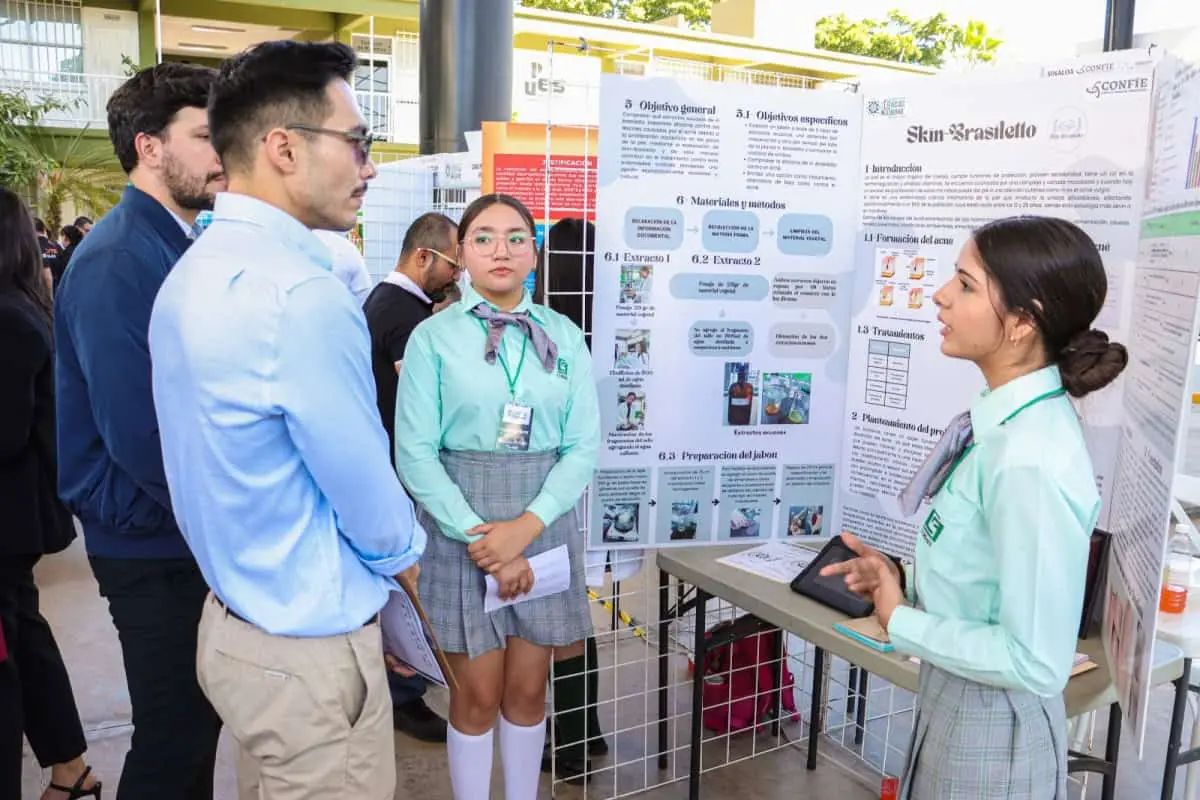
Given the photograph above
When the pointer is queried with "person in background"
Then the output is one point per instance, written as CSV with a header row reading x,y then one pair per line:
x,y
35,689
1001,560
401,301
565,283
497,433
110,461
276,459
70,238
84,224
348,264
51,250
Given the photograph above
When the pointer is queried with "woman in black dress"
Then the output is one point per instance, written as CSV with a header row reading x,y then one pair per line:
x,y
35,691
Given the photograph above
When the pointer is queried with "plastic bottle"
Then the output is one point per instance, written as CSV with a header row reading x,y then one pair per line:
x,y
1177,574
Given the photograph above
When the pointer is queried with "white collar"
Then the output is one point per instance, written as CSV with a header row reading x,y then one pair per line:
x,y
190,230
409,285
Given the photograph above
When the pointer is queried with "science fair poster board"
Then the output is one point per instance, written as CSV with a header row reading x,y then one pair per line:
x,y
1164,329
765,344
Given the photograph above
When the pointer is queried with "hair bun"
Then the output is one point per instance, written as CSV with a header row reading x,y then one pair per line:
x,y
1090,362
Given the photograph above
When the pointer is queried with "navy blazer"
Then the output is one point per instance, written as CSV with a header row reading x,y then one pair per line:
x,y
110,461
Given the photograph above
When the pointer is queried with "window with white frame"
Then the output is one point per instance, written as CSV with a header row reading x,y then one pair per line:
x,y
41,40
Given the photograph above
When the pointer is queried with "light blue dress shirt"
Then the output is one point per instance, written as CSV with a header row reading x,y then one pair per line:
x,y
451,398
1001,559
275,456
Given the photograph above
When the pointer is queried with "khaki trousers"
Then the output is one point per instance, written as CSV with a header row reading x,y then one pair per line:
x,y
312,717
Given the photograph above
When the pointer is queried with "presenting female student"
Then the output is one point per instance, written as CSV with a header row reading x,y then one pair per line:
x,y
997,586
497,433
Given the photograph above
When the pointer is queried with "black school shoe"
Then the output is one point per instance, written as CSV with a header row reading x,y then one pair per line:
x,y
419,721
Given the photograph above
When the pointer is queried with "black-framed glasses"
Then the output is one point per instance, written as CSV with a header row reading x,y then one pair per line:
x,y
361,141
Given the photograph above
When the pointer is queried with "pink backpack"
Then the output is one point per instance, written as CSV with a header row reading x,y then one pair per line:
x,y
739,682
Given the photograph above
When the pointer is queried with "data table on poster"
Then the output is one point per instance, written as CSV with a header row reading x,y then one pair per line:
x,y
887,373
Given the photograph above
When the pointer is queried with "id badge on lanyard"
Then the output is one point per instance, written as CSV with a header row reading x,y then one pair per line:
x,y
516,421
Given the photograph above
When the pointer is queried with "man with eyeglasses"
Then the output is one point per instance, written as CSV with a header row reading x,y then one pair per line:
x,y
425,274
278,465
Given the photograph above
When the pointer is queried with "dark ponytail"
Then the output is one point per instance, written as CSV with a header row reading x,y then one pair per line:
x,y
1050,270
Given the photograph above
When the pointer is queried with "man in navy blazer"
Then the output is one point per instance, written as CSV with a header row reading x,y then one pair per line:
x,y
110,461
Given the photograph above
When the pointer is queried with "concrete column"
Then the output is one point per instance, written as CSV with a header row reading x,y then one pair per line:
x,y
466,69
1118,25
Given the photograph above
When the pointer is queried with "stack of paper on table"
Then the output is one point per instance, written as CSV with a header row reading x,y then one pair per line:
x,y
777,561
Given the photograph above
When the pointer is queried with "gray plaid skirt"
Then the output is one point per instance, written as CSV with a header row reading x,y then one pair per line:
x,y
500,486
971,741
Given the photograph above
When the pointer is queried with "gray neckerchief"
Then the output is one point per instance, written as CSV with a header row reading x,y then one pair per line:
x,y
936,468
543,346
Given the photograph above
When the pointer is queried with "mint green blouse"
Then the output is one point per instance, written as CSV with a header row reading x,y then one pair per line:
x,y
450,398
1001,559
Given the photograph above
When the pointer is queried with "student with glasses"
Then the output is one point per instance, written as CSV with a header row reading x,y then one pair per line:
x,y
497,433
277,462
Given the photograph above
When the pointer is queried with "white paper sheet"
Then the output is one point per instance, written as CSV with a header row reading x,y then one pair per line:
x,y
778,561
551,575
404,637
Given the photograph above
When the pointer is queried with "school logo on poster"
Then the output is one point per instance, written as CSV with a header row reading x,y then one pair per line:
x,y
562,368
886,106
933,527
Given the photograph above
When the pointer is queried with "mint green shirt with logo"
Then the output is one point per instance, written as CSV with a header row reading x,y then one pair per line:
x,y
1001,557
450,398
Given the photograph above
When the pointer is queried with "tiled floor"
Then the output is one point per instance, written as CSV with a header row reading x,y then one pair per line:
x,y
81,622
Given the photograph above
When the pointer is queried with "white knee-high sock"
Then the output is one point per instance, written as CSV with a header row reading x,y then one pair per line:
x,y
470,764
521,756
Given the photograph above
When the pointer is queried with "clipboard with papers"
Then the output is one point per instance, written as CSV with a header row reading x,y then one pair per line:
x,y
409,637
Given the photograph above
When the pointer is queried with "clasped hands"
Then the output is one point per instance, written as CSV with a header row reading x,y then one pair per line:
x,y
499,552
872,575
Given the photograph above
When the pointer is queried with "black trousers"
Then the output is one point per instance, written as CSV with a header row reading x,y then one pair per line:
x,y
36,700
155,605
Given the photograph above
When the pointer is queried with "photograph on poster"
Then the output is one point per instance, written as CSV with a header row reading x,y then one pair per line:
x,y
631,410
906,281
743,523
685,518
631,351
621,523
740,395
805,520
786,398
636,283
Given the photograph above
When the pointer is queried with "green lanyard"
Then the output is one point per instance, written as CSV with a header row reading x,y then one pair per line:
x,y
510,377
1006,420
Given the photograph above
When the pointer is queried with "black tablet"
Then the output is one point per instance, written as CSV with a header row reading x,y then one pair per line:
x,y
832,591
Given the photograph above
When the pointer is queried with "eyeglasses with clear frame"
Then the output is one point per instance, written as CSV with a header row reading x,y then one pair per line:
x,y
485,243
361,140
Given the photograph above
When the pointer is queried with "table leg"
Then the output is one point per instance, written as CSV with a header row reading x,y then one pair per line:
x,y
664,676
1112,748
860,719
1171,767
815,710
698,653
851,695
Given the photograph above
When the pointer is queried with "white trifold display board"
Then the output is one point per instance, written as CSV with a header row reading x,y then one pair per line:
x,y
765,338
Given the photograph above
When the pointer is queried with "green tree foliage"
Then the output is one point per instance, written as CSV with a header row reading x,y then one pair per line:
x,y
697,13
930,42
20,162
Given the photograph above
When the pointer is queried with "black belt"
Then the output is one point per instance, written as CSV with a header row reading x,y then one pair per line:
x,y
230,612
